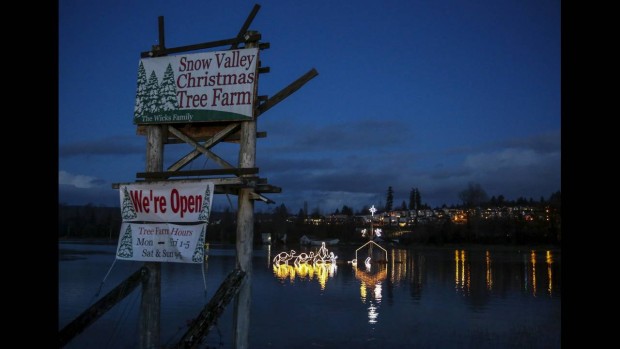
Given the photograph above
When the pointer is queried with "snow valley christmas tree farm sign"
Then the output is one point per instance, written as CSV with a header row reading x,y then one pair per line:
x,y
211,86
164,222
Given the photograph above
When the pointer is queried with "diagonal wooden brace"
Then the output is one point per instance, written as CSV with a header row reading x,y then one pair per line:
x,y
202,149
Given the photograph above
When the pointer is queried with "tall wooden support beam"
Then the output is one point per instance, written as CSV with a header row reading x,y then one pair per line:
x,y
150,305
245,229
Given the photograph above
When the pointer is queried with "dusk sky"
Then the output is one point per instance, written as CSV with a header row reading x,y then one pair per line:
x,y
432,95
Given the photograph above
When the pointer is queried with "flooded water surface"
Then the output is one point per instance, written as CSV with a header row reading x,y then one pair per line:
x,y
404,297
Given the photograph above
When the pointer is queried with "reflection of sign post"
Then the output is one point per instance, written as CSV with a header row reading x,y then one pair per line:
x,y
148,210
209,86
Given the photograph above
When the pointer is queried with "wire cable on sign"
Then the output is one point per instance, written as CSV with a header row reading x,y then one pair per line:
x,y
230,203
103,281
122,318
203,266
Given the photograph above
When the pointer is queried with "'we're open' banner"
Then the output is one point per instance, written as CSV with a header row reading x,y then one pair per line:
x,y
209,86
149,211
166,202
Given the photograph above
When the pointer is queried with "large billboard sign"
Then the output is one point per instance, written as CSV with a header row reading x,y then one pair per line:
x,y
199,87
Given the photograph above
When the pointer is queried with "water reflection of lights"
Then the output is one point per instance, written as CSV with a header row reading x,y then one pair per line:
x,y
456,269
378,291
398,267
371,279
321,272
368,280
462,272
489,273
372,314
533,260
549,274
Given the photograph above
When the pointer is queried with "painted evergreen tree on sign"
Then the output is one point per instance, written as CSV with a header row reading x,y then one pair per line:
x,y
141,95
128,211
126,248
168,90
153,104
199,252
206,205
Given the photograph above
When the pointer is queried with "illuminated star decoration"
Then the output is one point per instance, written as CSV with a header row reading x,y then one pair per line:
x,y
372,210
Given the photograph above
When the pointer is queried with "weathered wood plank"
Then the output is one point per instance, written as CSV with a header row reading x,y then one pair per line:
x,y
212,172
246,25
287,91
202,131
201,325
219,182
195,47
150,303
96,310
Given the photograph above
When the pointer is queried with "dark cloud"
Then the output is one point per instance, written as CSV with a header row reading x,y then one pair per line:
x,y
549,142
362,135
118,145
528,167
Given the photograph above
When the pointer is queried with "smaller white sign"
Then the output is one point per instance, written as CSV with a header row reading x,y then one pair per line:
x,y
163,242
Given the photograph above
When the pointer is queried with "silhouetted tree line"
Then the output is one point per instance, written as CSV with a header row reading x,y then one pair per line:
x,y
88,221
91,221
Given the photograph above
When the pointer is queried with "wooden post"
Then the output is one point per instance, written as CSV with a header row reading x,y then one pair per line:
x,y
245,229
151,288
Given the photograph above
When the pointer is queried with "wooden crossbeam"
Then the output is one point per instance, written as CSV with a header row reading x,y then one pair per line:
x,y
287,91
267,188
194,47
218,182
233,138
194,173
